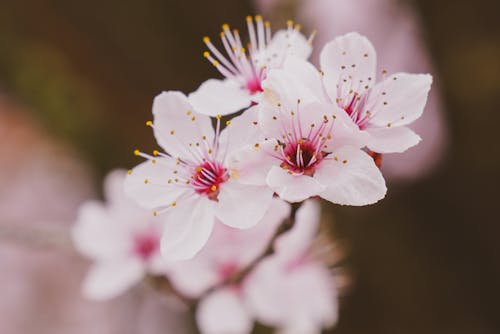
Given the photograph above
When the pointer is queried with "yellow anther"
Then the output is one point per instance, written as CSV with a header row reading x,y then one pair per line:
x,y
225,26
172,132
129,172
228,122
155,152
155,213
174,203
206,39
257,145
193,118
153,161
149,123
344,161
249,18
209,151
218,116
206,54
258,18
298,27
215,63
243,50
289,23
137,152
213,188
267,24
199,169
146,181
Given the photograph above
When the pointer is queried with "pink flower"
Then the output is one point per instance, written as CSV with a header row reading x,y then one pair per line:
x,y
192,181
227,252
311,148
244,71
291,290
122,240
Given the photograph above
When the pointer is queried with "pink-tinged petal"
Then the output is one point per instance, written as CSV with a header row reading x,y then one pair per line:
x,y
177,124
242,205
399,100
223,312
113,188
293,188
187,229
352,58
391,140
193,277
243,130
288,296
351,178
219,97
295,242
96,235
251,164
106,280
148,184
293,42
306,74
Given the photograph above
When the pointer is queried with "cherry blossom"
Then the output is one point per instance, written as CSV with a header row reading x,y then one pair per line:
x,y
228,252
310,148
121,239
291,289
191,183
245,69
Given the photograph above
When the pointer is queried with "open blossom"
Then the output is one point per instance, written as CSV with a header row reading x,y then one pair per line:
x,y
347,80
121,239
291,289
227,253
245,69
310,149
191,182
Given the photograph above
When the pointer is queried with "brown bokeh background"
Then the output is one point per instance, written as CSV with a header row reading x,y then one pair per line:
x,y
425,260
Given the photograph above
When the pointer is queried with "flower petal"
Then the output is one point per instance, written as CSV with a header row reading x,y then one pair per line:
x,y
391,140
221,97
242,205
399,100
106,280
351,178
291,187
243,130
177,124
350,57
148,184
187,229
251,164
291,43
223,312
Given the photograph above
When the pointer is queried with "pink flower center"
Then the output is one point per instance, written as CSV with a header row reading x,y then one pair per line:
x,y
301,157
253,86
356,110
227,270
146,244
208,177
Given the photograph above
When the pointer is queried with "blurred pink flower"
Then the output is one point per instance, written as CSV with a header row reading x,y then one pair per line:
x,y
291,290
395,30
121,239
244,71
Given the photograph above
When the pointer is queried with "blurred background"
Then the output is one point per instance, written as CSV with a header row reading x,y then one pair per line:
x,y
77,80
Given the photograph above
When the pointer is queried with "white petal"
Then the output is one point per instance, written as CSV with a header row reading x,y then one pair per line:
x,y
242,206
285,297
291,187
296,241
242,131
251,164
349,57
113,187
109,279
97,235
399,100
305,73
188,228
223,312
177,124
391,140
221,97
195,276
148,184
351,179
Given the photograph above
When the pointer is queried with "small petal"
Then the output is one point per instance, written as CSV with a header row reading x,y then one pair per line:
x,y
188,228
251,164
219,97
242,131
350,57
223,312
291,187
391,140
351,178
242,206
399,100
148,184
177,124
107,280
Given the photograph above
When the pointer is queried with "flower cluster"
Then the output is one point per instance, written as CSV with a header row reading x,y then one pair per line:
x,y
225,190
